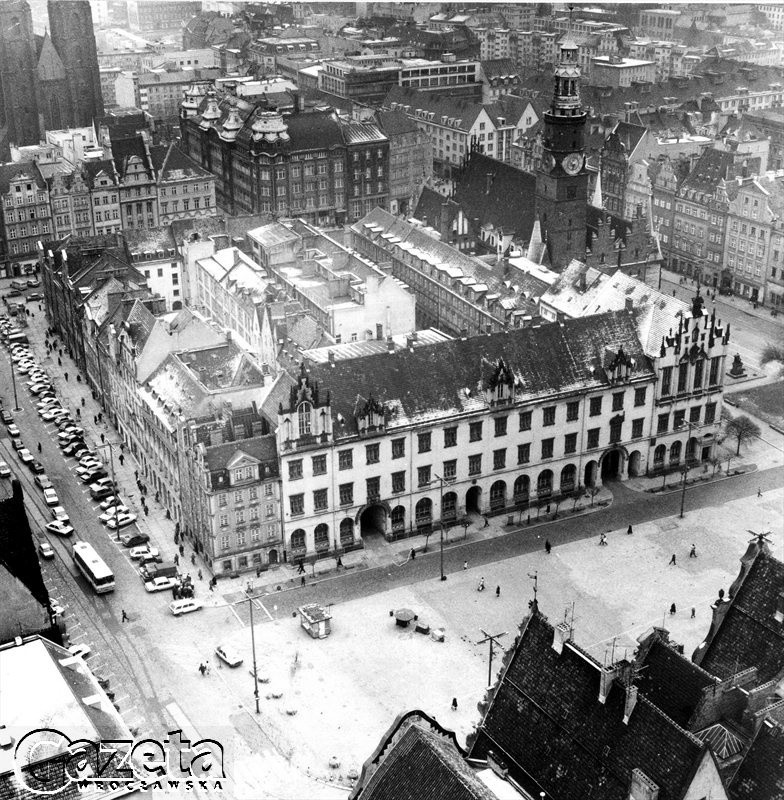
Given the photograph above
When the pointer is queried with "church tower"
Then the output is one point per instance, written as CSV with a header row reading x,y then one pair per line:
x,y
71,24
562,180
18,77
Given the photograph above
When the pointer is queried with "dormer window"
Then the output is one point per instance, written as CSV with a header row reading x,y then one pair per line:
x,y
304,413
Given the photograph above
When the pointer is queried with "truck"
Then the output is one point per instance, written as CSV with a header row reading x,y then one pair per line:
x,y
151,571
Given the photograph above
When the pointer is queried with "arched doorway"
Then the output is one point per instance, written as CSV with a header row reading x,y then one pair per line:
x,y
449,507
474,500
544,483
590,474
498,496
521,489
398,518
634,463
675,454
423,513
568,478
321,538
612,465
347,532
692,450
658,456
373,521
273,556
298,547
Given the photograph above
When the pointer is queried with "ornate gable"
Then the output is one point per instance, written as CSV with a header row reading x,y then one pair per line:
x,y
617,365
370,415
498,381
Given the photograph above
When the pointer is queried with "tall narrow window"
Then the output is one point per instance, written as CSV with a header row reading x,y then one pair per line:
x,y
304,419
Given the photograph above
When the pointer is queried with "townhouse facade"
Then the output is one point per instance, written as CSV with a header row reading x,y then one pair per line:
x,y
26,215
472,426
231,491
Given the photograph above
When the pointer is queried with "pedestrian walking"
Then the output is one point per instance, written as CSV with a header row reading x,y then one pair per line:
x,y
39,447
103,439
487,521
122,459
95,419
83,401
629,531
603,539
497,591
124,616
300,568
673,609
693,551
413,554
454,704
182,550
146,511
547,546
59,362
176,560
65,375
201,577
465,565
302,581
202,669
78,378
193,559
136,475
481,586
340,562
78,413
212,586
693,612
759,492
168,514
157,497
672,561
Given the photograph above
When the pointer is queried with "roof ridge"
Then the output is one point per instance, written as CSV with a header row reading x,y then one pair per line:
x,y
688,734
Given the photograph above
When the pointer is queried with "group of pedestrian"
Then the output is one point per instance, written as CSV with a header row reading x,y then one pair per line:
x,y
204,669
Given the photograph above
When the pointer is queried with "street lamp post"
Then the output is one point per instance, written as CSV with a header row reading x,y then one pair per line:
x,y
690,426
253,647
13,380
441,482
110,445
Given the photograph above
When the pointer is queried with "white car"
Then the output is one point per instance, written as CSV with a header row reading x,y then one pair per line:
x,y
143,551
58,512
13,430
118,511
228,656
160,584
46,550
5,470
50,497
25,456
50,414
111,502
79,650
60,528
121,521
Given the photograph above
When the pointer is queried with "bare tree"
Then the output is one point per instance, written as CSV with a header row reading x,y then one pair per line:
x,y
593,491
774,351
576,495
742,429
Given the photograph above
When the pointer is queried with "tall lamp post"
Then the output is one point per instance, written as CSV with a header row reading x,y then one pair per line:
x,y
441,482
110,445
249,592
690,426
13,380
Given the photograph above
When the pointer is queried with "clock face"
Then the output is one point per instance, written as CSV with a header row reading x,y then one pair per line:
x,y
572,163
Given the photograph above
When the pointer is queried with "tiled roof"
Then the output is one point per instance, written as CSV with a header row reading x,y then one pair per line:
x,y
671,682
176,165
749,635
362,133
443,379
125,148
93,169
629,135
395,123
429,208
761,773
711,167
463,111
546,723
497,194
262,448
9,171
150,240
500,68
140,321
418,759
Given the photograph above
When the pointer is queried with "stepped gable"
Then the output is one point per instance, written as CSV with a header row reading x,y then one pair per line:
x,y
441,379
545,722
751,633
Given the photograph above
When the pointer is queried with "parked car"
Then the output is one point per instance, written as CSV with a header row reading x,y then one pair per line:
x,y
18,445
79,650
160,584
5,470
35,296
43,481
51,498
25,456
46,550
228,655
7,417
134,538
121,521
60,528
73,447
111,501
36,467
58,512
50,414
143,550
117,511
13,430
93,475
39,387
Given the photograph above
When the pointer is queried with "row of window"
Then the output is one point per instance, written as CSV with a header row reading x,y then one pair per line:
x,y
239,495
679,418
253,514
252,534
683,376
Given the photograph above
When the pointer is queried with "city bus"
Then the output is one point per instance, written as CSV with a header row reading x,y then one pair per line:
x,y
93,567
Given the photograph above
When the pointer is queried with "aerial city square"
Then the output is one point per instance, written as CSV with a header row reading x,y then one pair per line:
x,y
392,400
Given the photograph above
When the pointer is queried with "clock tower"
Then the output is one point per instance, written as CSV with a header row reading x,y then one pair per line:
x,y
562,180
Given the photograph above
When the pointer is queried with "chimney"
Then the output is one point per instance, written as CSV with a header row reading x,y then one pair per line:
x,y
583,285
642,787
390,345
415,336
561,635
331,356
606,680
631,702
488,328
629,304
410,342
464,333
778,614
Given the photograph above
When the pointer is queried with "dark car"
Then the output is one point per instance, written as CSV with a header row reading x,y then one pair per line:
x,y
95,475
134,539
72,447
35,296
33,283
17,444
102,493
36,467
7,417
